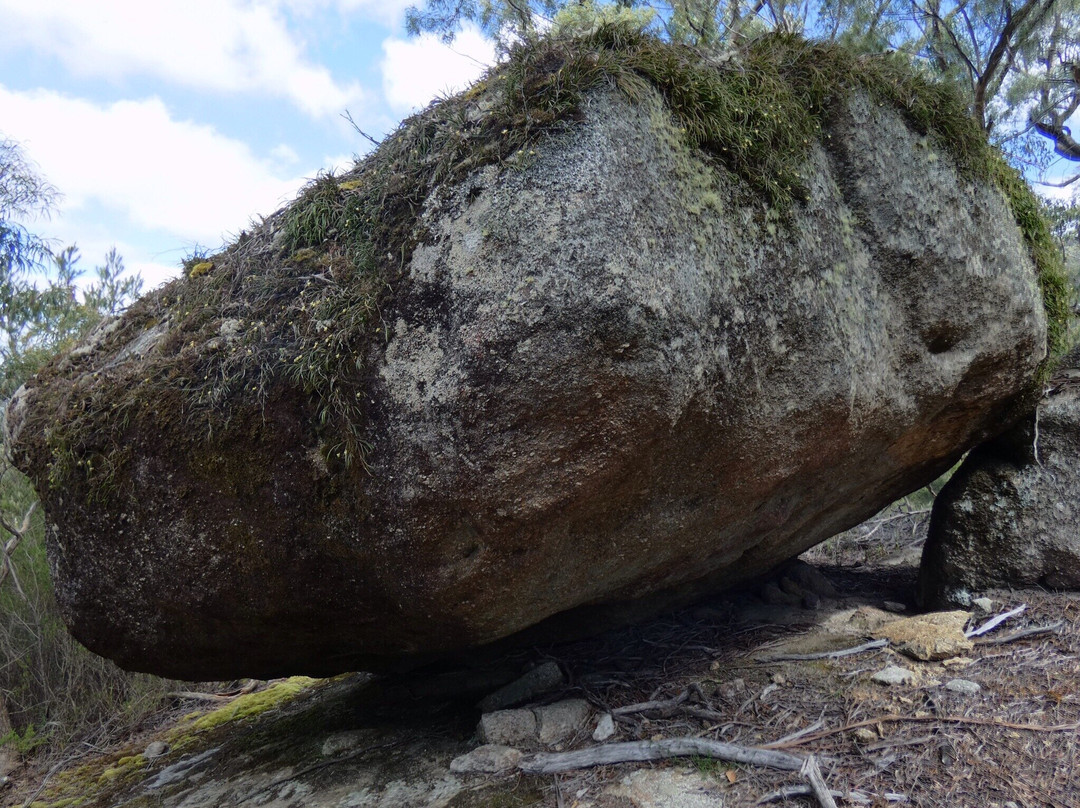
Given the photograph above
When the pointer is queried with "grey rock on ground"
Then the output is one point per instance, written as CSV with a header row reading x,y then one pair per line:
x,y
605,728
1010,516
963,686
562,720
547,725
894,675
487,759
508,728
607,384
539,680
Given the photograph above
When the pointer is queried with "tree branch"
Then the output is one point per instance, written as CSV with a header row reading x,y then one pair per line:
x,y
639,751
1001,47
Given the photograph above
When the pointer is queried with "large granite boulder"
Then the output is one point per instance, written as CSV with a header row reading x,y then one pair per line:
x,y
603,373
1010,516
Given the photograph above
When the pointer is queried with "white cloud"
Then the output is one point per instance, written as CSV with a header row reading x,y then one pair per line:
x,y
223,45
133,159
417,70
285,154
388,12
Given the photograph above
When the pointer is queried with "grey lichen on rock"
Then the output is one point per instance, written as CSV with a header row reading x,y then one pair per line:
x,y
632,338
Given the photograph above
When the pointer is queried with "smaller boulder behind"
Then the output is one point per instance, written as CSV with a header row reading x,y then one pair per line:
x,y
1010,516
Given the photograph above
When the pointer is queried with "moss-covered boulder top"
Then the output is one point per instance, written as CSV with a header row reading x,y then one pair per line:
x,y
621,324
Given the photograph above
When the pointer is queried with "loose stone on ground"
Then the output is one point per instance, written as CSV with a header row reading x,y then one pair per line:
x,y
894,675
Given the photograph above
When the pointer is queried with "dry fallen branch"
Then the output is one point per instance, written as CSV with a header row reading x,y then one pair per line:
x,y
652,706
994,622
942,719
1034,631
805,731
669,708
892,743
812,772
640,751
191,695
843,652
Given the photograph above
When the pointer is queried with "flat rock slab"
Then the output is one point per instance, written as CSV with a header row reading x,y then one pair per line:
x,y
665,788
928,637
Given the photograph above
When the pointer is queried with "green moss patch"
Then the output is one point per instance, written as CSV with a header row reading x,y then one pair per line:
x,y
244,707
100,780
293,309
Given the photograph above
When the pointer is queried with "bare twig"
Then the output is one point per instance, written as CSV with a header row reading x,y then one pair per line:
x,y
858,649
812,772
668,708
194,696
651,706
6,565
892,743
942,719
348,117
48,776
638,751
804,731
994,622
1034,631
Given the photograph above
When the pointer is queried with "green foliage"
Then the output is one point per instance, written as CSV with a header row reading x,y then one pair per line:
x,y
586,18
505,20
1058,294
24,742
24,195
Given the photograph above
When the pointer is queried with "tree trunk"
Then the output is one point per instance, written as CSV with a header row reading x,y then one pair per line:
x,y
8,756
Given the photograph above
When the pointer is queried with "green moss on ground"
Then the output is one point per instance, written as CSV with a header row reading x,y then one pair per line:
x,y
243,707
293,308
102,779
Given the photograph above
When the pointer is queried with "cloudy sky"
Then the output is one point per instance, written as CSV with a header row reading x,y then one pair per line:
x,y
168,125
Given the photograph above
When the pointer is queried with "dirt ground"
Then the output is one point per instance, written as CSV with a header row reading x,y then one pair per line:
x,y
715,672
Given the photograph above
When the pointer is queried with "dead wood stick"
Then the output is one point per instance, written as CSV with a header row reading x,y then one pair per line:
x,y
669,707
639,751
804,731
843,652
194,696
994,622
651,706
890,743
944,719
812,772
1034,631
